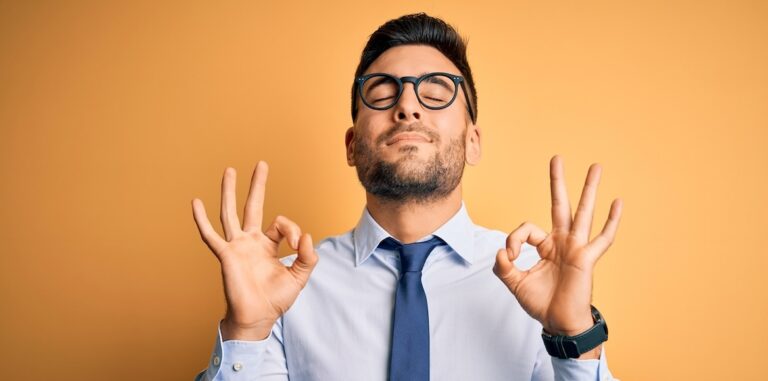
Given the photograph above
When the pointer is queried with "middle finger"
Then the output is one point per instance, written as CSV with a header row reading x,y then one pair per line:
x,y
229,219
561,208
254,205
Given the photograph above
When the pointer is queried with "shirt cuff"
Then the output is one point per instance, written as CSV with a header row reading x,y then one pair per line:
x,y
233,359
587,370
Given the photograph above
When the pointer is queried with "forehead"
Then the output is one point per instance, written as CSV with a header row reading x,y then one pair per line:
x,y
412,60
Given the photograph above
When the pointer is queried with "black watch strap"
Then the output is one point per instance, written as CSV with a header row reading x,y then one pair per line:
x,y
564,347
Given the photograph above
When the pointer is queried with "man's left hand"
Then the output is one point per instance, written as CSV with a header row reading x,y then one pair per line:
x,y
557,290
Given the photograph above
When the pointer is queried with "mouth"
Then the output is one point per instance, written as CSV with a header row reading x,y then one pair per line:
x,y
408,137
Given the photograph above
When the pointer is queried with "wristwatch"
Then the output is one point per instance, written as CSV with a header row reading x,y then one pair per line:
x,y
565,347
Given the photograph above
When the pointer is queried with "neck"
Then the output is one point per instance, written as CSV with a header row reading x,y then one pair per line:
x,y
410,221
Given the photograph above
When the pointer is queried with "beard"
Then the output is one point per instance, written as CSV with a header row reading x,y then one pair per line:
x,y
409,179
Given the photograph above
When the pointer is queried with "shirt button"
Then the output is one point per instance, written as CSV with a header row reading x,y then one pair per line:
x,y
237,366
216,360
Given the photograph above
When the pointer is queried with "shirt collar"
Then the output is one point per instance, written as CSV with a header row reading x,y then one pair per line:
x,y
457,232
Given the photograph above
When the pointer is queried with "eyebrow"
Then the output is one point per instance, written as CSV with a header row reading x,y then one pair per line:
x,y
378,82
441,82
382,79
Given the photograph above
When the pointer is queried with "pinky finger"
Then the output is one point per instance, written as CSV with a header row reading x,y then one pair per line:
x,y
208,234
603,241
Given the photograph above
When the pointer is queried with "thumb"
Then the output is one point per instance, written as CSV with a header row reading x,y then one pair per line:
x,y
305,261
506,270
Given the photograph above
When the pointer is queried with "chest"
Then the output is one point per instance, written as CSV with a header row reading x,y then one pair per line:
x,y
340,327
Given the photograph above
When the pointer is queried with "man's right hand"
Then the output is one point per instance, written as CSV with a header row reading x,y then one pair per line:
x,y
257,286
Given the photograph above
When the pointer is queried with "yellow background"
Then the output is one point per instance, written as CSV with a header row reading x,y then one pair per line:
x,y
114,116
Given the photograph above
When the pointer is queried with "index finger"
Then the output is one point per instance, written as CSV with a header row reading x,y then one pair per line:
x,y
561,208
254,205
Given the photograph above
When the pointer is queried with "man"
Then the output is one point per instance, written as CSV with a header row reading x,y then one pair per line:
x,y
410,292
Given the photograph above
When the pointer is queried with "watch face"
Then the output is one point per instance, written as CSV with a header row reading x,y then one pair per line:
x,y
571,348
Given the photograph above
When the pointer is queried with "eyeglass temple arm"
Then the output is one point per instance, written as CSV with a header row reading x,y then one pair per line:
x,y
469,104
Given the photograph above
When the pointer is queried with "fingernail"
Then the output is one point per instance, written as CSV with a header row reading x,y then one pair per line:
x,y
295,243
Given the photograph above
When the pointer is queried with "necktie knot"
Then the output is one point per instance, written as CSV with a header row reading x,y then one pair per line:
x,y
412,255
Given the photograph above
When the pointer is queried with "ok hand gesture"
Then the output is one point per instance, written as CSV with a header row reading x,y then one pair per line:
x,y
257,286
557,290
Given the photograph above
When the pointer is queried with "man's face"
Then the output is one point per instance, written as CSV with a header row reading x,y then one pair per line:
x,y
410,153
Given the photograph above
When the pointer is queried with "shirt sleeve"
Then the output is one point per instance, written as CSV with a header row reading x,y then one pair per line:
x,y
247,360
574,369
548,368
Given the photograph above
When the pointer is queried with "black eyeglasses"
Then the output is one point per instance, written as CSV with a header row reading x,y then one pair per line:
x,y
435,91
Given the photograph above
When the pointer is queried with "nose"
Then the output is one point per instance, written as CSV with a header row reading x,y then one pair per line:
x,y
408,106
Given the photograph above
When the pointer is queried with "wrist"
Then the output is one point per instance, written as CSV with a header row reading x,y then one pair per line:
x,y
571,329
573,343
256,332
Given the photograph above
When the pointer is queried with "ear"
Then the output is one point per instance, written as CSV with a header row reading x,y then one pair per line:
x,y
473,151
349,142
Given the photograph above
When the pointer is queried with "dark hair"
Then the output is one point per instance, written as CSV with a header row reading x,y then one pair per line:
x,y
417,29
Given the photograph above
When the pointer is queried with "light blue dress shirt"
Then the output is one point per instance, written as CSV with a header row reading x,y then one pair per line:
x,y
340,326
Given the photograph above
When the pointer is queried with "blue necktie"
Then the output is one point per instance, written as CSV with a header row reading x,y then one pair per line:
x,y
410,332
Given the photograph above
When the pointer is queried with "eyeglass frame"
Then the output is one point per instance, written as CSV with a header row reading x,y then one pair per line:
x,y
457,81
